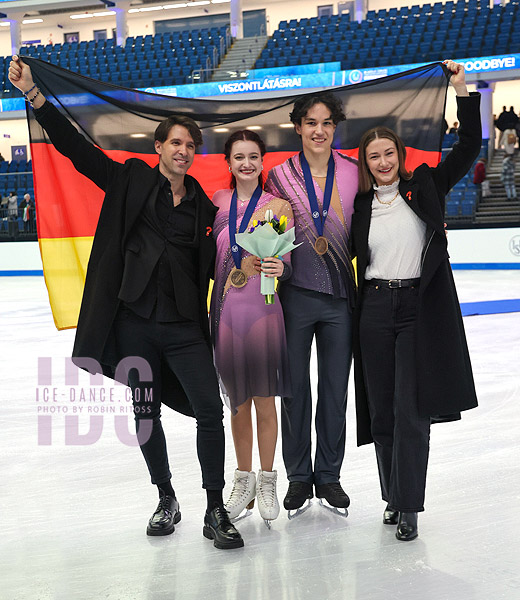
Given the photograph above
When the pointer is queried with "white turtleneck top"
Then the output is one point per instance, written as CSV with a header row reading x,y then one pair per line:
x,y
396,237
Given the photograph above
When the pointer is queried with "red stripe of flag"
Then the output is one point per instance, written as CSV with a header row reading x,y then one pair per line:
x,y
58,185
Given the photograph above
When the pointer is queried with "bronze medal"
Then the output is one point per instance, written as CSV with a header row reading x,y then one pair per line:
x,y
238,278
321,245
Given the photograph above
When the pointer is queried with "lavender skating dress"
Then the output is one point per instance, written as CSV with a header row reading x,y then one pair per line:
x,y
248,335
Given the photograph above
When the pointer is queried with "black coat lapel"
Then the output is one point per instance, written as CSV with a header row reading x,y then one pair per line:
x,y
359,231
139,189
363,214
409,190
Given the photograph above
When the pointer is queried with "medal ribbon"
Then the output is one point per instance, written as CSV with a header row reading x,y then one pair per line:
x,y
319,220
236,250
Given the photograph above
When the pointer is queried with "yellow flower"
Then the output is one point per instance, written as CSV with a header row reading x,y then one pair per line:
x,y
255,223
283,220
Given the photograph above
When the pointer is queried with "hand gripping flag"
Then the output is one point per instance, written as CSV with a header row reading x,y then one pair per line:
x,y
122,121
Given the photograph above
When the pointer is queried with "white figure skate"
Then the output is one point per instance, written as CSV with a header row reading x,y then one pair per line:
x,y
266,494
242,497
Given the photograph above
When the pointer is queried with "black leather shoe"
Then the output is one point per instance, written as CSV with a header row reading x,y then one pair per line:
x,y
298,492
218,527
166,515
407,527
333,494
390,516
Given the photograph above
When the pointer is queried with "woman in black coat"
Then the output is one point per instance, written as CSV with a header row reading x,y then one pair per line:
x,y
412,364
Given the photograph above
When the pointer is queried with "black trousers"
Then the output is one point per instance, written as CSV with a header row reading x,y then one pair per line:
x,y
183,347
310,314
401,436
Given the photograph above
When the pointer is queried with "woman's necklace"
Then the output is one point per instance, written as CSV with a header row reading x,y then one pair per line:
x,y
388,202
242,202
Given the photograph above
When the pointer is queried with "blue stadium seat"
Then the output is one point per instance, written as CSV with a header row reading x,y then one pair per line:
x,y
426,32
467,207
452,208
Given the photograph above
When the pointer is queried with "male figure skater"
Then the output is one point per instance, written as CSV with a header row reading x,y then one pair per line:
x,y
145,296
317,300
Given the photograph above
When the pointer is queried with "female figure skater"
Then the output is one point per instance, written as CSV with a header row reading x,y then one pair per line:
x,y
248,335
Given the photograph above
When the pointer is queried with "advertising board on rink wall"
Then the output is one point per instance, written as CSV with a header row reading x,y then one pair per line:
x,y
282,79
469,249
321,75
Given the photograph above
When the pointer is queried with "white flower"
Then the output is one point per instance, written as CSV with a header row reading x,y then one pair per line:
x,y
269,214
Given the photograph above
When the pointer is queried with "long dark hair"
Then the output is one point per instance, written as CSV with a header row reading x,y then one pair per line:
x,y
366,179
244,135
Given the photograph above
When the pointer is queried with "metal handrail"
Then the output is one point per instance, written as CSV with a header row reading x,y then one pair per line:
x,y
16,173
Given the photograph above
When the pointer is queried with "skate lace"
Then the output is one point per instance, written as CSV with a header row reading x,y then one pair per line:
x,y
239,491
267,491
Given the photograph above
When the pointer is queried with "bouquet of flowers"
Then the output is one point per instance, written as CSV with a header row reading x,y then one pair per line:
x,y
268,238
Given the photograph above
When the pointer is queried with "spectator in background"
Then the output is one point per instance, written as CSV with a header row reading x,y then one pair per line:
x,y
500,119
479,176
12,206
27,205
504,120
508,176
507,119
1,157
454,128
508,141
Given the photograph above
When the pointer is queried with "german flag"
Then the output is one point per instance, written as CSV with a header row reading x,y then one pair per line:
x,y
122,121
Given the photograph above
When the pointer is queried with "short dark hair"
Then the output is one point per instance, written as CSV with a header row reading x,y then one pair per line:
x,y
305,103
163,129
244,135
366,179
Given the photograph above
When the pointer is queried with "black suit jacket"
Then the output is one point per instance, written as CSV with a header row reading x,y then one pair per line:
x,y
127,187
444,376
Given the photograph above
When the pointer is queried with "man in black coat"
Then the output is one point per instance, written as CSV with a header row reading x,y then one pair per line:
x,y
143,318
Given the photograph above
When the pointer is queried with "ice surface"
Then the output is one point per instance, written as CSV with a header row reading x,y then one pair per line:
x,y
74,512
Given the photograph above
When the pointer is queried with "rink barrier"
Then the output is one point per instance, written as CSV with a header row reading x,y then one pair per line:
x,y
484,266
489,307
454,266
20,273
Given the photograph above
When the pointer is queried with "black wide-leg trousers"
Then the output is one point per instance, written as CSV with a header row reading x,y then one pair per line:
x,y
183,347
401,436
309,314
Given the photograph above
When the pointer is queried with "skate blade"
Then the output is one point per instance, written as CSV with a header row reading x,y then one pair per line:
x,y
268,523
342,512
299,511
242,515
